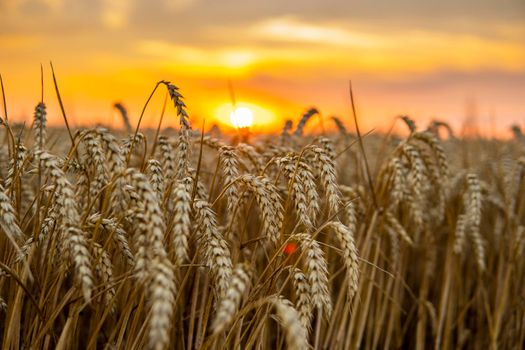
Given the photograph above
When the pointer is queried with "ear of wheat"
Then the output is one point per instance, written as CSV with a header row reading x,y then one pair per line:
x,y
180,239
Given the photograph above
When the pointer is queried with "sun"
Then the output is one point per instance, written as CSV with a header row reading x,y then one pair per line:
x,y
242,117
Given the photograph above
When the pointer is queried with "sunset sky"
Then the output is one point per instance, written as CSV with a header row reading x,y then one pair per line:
x,y
429,59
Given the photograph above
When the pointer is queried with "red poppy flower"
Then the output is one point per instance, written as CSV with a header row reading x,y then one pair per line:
x,y
290,248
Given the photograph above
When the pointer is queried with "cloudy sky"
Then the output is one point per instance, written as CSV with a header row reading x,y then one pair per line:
x,y
429,59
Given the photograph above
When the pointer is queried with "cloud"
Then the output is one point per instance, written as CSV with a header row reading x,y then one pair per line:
x,y
341,47
114,13
291,29
20,7
198,59
178,5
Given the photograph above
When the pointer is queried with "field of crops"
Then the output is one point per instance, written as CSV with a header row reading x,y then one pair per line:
x,y
180,239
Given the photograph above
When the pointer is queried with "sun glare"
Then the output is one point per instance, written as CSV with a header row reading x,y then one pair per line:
x,y
242,117
256,115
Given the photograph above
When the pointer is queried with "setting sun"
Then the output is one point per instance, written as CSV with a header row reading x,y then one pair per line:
x,y
258,115
242,117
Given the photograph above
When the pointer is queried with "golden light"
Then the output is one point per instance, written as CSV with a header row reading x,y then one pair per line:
x,y
257,114
242,117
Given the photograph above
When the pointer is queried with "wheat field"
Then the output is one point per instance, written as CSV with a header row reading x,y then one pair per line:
x,y
187,240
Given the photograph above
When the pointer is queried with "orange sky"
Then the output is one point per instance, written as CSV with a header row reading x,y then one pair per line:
x,y
439,59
